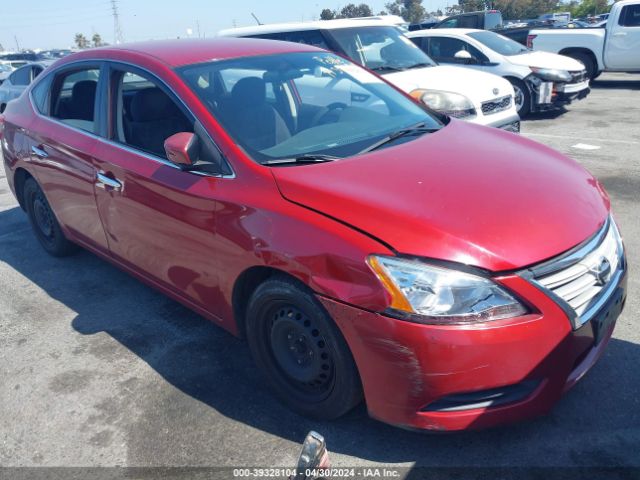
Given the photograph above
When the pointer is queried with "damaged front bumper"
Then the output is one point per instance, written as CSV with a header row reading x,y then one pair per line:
x,y
547,95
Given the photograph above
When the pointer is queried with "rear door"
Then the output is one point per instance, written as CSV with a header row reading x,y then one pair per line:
x,y
62,141
622,49
160,220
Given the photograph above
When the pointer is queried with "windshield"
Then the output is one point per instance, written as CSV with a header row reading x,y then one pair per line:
x,y
498,43
380,48
290,105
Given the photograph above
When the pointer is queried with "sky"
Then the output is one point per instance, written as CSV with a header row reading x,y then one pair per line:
x,y
48,24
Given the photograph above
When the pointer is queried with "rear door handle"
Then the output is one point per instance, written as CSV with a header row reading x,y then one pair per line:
x,y
619,34
38,152
104,181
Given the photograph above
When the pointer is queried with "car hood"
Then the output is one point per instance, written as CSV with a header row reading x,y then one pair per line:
x,y
467,194
546,60
478,86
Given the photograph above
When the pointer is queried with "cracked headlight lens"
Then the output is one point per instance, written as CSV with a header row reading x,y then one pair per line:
x,y
432,294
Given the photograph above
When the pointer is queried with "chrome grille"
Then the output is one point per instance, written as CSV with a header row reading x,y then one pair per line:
x,y
497,105
578,76
581,279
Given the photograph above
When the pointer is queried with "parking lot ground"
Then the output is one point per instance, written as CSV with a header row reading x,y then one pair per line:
x,y
96,369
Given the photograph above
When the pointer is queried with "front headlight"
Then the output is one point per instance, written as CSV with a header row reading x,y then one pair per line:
x,y
551,74
430,294
449,103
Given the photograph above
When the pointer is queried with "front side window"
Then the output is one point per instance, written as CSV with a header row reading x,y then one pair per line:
x,y
381,49
73,98
630,16
145,114
498,43
22,76
322,104
444,50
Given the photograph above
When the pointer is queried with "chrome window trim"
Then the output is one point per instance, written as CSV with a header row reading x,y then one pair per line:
x,y
142,153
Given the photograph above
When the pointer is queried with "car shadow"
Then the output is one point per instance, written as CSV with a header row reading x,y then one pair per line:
x,y
617,84
546,115
203,361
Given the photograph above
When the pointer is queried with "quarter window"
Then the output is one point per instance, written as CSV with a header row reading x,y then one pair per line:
x,y
74,98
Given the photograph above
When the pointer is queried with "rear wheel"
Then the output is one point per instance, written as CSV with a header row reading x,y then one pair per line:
x,y
588,62
522,96
300,351
44,223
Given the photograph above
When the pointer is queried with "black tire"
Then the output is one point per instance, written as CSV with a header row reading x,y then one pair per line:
x,y
587,61
44,223
300,351
523,105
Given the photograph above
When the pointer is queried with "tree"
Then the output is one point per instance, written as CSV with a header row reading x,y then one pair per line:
x,y
97,40
327,14
350,10
81,41
411,10
354,11
521,9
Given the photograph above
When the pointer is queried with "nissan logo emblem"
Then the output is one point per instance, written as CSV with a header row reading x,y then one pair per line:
x,y
496,91
602,271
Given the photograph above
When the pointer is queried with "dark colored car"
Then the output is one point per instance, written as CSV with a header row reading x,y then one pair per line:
x,y
451,275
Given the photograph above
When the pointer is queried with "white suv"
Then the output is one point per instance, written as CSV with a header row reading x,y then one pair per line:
x,y
476,97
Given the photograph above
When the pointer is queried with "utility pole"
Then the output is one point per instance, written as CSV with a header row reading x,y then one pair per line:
x,y
17,43
117,29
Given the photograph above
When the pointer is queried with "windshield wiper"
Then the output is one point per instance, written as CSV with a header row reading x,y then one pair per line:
x,y
388,67
421,65
306,158
418,129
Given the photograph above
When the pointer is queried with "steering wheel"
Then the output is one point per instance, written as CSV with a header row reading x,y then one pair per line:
x,y
325,114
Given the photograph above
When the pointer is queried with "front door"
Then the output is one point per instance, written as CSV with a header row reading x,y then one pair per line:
x,y
622,50
159,219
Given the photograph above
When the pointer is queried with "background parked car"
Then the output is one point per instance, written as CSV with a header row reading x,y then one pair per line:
x,y
615,48
476,97
541,80
5,70
18,81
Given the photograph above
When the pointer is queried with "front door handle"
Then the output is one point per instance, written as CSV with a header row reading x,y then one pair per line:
x,y
38,152
104,181
619,34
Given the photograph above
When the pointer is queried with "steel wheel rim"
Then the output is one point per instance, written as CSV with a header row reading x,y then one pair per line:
x,y
300,351
43,217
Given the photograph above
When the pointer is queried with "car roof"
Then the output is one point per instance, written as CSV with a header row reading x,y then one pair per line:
x,y
175,53
302,26
432,32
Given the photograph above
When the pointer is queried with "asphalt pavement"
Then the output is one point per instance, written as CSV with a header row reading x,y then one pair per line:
x,y
97,369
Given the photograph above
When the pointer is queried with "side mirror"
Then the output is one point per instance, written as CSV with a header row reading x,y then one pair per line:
x,y
182,148
465,56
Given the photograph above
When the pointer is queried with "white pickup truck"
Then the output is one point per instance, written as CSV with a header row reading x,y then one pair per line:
x,y
614,48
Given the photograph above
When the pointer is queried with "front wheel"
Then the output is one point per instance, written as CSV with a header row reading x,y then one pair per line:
x,y
300,351
44,223
522,97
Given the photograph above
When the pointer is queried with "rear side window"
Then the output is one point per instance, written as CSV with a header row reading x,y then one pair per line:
x,y
22,76
73,98
630,16
308,37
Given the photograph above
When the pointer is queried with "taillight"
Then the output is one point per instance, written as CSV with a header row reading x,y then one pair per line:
x,y
530,40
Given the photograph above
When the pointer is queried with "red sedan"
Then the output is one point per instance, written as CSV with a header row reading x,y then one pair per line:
x,y
450,275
